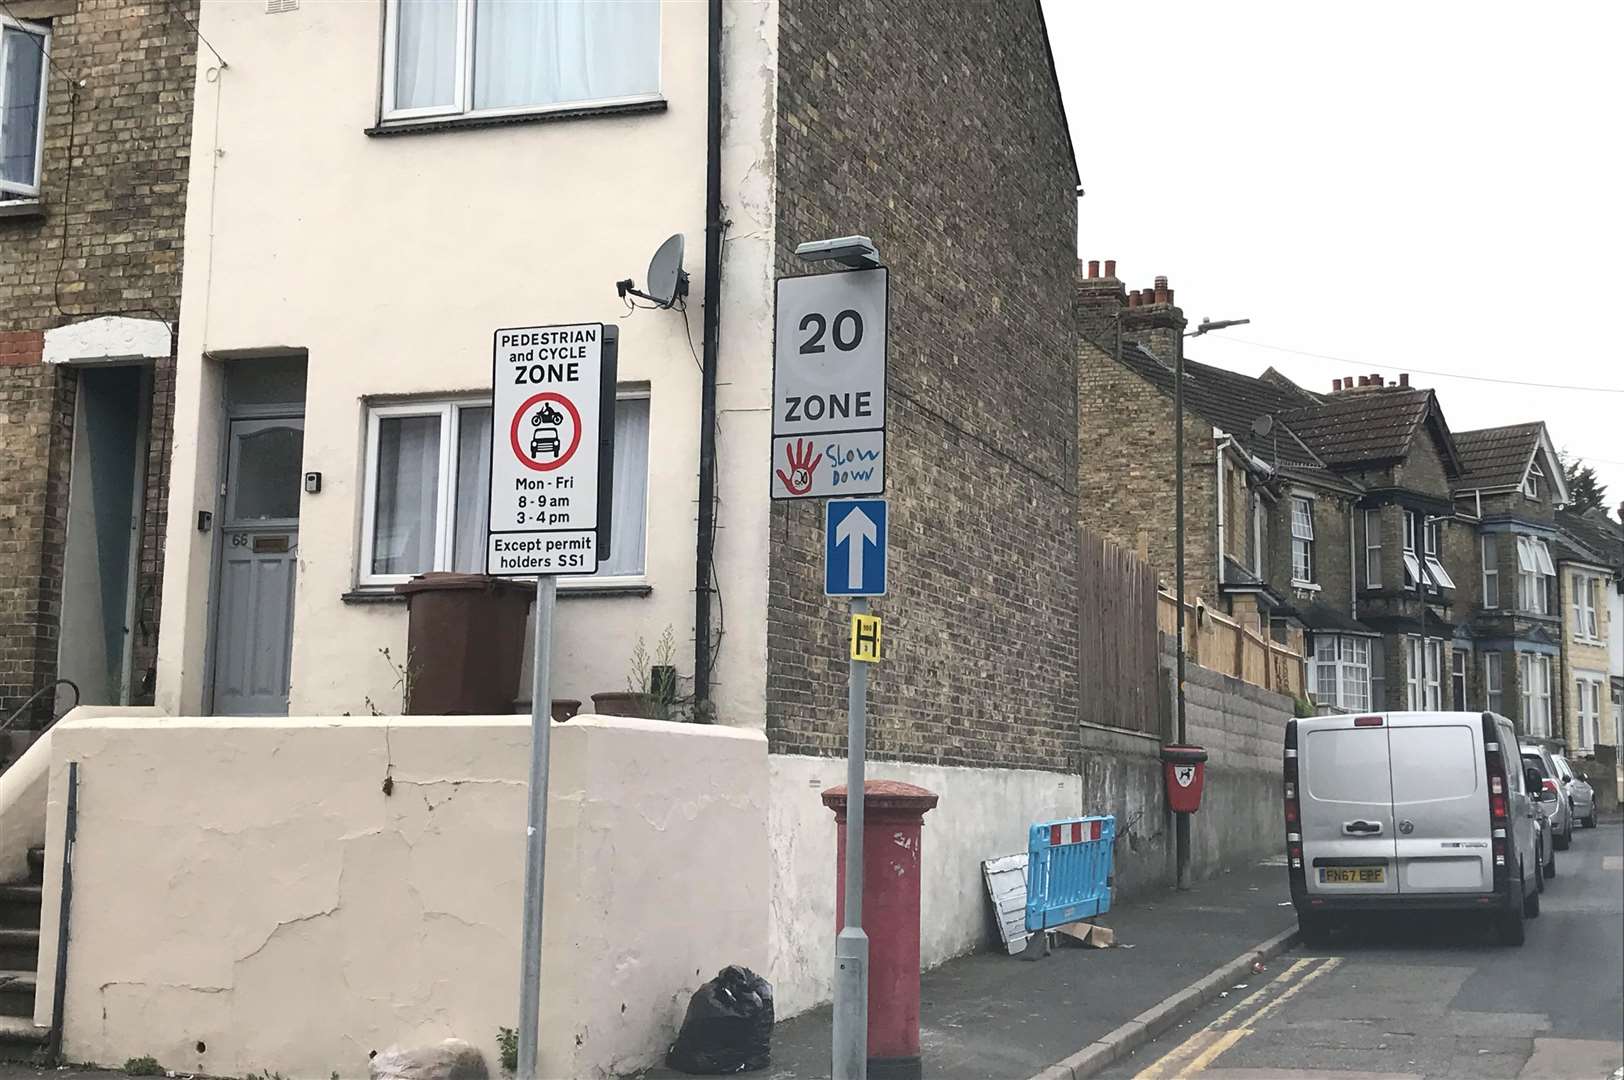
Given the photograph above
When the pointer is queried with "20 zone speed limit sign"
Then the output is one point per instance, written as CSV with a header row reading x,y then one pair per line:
x,y
552,449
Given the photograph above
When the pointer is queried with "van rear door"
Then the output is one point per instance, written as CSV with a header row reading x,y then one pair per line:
x,y
1440,803
1344,770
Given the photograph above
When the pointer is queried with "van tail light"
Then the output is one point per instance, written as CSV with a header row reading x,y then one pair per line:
x,y
1367,721
1293,806
1549,785
1494,768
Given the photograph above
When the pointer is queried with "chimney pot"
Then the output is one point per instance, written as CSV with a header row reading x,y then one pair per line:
x,y
1169,296
1364,380
1133,298
1347,383
1110,268
1336,386
1161,281
1093,268
1375,379
1161,290
1404,379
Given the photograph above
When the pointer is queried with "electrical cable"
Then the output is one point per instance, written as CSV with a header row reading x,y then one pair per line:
x,y
1365,365
50,61
183,17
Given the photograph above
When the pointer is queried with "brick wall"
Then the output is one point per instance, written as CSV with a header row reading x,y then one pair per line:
x,y
120,252
937,132
1423,469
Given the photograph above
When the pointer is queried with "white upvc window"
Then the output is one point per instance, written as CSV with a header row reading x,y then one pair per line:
x,y
1532,480
1373,549
1534,672
1412,557
1424,675
448,58
1458,659
1491,572
426,500
1533,564
1302,541
1341,671
1588,696
1584,606
1493,684
1436,574
25,50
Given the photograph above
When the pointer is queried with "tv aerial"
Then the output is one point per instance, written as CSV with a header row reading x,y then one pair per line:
x,y
667,282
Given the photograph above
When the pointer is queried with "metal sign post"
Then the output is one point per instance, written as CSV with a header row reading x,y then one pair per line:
x,y
552,456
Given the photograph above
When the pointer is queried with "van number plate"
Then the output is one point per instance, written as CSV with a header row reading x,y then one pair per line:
x,y
1353,875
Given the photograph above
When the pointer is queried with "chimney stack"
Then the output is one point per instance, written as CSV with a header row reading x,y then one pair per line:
x,y
1093,269
1098,306
1154,323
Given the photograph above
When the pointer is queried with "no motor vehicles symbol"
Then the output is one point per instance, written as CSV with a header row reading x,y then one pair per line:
x,y
540,437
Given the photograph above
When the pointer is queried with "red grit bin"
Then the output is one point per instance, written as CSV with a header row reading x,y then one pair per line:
x,y
893,819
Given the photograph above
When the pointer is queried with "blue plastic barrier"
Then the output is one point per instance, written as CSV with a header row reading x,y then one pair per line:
x,y
1068,871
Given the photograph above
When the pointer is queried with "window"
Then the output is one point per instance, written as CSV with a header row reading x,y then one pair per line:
x,y
24,52
1302,541
1457,678
1341,672
1534,672
1494,696
496,57
1584,606
1535,571
1491,572
1437,577
1588,695
427,499
1425,660
1373,549
1260,525
1412,561
1531,481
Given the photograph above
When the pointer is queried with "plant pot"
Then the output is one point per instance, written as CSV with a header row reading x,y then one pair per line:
x,y
624,703
564,708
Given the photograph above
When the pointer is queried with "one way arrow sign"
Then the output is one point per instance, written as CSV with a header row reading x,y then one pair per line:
x,y
858,525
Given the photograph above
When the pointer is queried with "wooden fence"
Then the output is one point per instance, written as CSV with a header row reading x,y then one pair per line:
x,y
1219,643
1117,614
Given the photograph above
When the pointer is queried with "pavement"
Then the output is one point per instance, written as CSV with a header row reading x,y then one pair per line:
x,y
1411,997
989,1016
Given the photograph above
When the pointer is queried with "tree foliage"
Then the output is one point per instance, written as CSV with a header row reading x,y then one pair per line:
x,y
1584,490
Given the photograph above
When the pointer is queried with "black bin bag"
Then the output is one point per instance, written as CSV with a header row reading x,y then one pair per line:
x,y
729,1026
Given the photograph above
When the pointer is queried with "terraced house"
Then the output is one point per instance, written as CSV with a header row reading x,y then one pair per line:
x,y
1512,487
1320,518
1589,553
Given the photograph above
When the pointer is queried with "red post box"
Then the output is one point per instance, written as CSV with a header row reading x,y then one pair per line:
x,y
893,818
1184,770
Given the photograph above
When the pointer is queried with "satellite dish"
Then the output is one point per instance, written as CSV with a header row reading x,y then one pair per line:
x,y
666,280
1262,425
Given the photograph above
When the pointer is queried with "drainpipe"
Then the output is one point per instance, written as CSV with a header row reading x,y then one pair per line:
x,y
1222,483
704,553
1353,560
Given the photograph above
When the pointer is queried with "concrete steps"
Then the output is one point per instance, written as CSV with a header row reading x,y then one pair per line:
x,y
20,904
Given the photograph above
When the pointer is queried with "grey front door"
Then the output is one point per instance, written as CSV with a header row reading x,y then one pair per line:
x,y
259,540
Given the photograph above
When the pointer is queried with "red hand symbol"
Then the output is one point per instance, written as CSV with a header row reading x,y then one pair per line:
x,y
802,462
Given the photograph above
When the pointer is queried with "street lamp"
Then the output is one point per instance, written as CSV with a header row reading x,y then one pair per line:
x,y
1181,825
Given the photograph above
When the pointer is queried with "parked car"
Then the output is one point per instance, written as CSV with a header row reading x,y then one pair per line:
x,y
1551,803
1397,811
1581,797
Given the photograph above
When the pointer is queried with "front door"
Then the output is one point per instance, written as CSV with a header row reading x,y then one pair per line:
x,y
259,542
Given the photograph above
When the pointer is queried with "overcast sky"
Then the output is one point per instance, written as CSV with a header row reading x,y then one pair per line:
x,y
1421,186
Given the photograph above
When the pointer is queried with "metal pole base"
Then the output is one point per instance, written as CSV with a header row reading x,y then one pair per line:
x,y
850,1060
1181,834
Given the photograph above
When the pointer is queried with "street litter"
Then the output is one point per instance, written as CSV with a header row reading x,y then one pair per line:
x,y
728,1027
1084,934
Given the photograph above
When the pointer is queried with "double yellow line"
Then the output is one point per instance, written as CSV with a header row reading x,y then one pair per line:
x,y
1194,1054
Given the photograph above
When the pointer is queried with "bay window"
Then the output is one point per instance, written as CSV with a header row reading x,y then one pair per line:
x,y
1535,572
1588,698
1457,678
1491,571
1425,656
1412,559
1534,673
1302,541
446,58
1493,685
1373,549
1341,671
1437,576
426,503
24,65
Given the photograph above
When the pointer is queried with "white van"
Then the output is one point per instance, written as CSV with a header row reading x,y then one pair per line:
x,y
1390,811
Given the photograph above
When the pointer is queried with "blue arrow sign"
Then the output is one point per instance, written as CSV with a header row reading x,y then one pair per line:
x,y
858,527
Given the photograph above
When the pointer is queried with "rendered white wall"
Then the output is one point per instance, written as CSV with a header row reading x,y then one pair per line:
x,y
248,885
983,813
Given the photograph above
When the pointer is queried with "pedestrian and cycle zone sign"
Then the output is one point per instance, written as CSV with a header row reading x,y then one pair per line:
x,y
829,358
550,461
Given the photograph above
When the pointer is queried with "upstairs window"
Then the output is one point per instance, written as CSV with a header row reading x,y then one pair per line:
x,y
1437,576
1532,481
1535,571
24,52
1373,549
1412,556
1302,541
1491,572
1584,606
446,58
